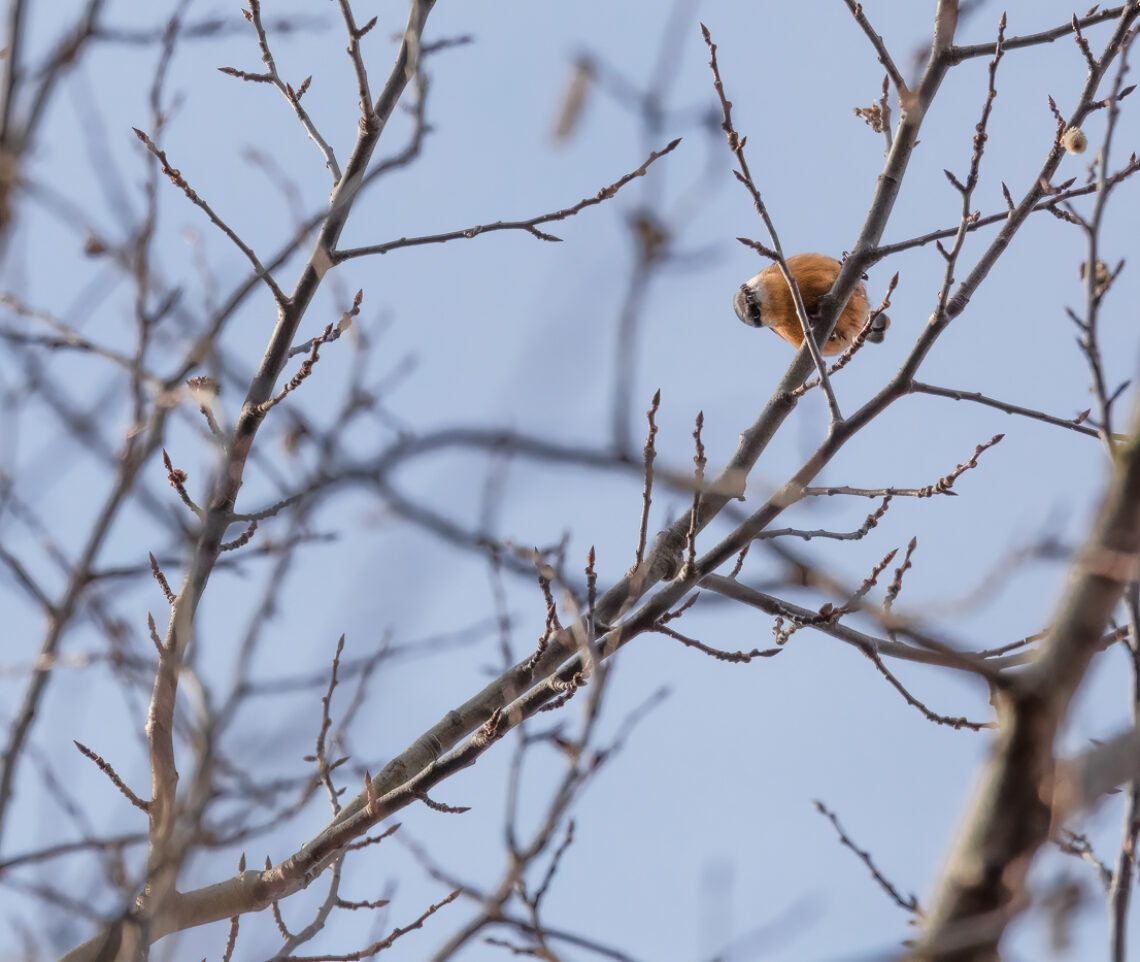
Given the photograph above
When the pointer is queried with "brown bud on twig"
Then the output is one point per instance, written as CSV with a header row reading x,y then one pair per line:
x,y
1074,140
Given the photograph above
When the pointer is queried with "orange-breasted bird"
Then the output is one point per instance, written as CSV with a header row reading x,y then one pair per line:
x,y
766,301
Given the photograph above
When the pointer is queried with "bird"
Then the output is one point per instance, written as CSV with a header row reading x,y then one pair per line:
x,y
766,301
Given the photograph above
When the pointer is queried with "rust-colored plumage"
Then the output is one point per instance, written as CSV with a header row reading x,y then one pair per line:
x,y
766,301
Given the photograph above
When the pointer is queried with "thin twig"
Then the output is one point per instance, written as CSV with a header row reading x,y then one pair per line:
x,y
648,455
179,181
1071,424
744,175
909,903
106,769
880,49
530,226
699,462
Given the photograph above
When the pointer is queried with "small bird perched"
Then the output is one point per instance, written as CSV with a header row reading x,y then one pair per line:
x,y
766,301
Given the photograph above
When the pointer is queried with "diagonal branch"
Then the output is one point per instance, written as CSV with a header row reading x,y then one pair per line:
x,y
531,225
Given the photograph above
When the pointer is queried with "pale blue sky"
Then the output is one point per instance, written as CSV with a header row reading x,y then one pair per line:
x,y
718,782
